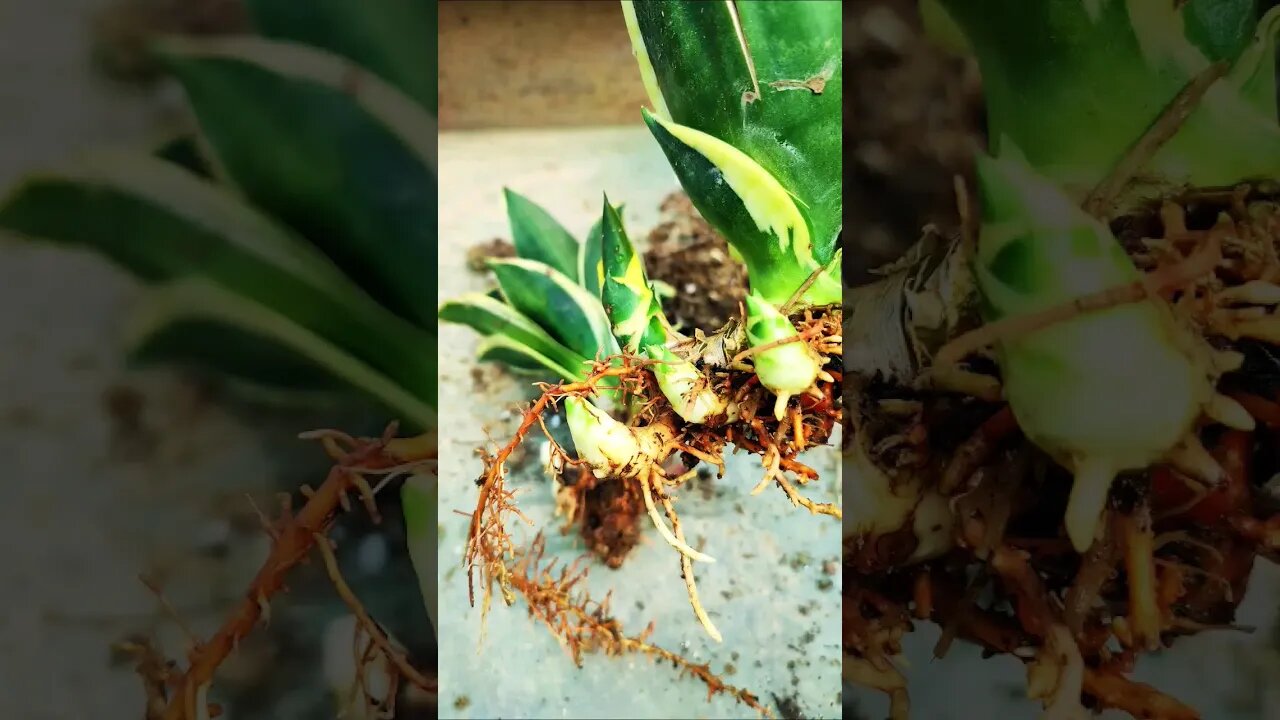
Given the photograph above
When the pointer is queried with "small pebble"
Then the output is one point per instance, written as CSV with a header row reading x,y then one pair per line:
x,y
372,555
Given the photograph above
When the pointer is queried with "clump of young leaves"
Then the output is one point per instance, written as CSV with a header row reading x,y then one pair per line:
x,y
546,316
754,138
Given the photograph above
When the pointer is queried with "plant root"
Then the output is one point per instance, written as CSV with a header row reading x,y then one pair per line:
x,y
174,695
497,565
671,539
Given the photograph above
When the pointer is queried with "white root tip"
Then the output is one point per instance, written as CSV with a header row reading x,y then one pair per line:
x,y
706,623
1088,499
1229,412
780,407
663,530
1190,458
825,376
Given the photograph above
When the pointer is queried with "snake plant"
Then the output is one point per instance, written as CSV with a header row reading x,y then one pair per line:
x,y
291,241
746,107
547,316
1073,89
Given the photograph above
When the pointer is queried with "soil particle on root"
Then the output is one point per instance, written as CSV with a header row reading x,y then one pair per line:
x,y
919,124
687,254
611,521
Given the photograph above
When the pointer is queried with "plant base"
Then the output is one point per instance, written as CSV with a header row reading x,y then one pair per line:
x,y
1180,538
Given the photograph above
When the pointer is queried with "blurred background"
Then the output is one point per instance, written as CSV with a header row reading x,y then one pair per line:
x,y
913,120
544,98
118,470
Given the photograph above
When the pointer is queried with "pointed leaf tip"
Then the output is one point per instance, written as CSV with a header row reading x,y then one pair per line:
x,y
540,237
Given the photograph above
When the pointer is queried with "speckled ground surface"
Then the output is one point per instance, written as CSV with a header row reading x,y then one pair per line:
x,y
775,588
112,471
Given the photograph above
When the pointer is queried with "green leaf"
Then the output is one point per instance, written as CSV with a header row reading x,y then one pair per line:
x,y
591,259
503,349
538,237
634,312
419,497
1049,66
566,310
199,322
1075,84
1254,73
185,152
1221,29
775,95
161,223
344,158
394,39
488,316
748,206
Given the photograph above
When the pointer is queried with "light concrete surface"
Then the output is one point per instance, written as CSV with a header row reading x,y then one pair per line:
x,y
767,592
111,472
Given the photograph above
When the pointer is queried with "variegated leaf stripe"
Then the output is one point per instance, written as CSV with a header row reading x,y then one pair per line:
x,y
489,316
775,240
632,306
566,310
503,349
641,52
1037,249
770,205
